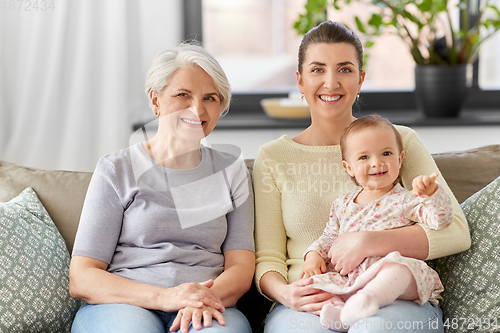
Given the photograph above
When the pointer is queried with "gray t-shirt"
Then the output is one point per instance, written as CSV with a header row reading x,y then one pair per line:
x,y
163,226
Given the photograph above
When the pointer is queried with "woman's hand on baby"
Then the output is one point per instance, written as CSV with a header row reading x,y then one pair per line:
x,y
348,251
313,265
195,295
300,297
197,316
424,186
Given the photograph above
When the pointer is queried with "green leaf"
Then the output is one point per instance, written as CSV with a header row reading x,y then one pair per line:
x,y
425,6
439,6
375,20
360,25
495,9
407,15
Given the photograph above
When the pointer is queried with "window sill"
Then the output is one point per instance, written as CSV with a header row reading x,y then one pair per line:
x,y
411,118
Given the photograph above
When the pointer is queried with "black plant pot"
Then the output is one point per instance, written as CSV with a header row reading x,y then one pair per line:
x,y
441,90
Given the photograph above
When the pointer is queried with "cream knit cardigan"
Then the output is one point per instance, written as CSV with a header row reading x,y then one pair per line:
x,y
295,186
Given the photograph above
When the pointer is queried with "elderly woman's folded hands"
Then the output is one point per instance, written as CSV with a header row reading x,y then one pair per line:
x,y
196,295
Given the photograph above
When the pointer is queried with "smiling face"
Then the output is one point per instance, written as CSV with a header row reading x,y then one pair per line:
x,y
330,78
189,105
373,157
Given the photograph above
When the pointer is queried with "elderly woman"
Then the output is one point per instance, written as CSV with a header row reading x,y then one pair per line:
x,y
165,240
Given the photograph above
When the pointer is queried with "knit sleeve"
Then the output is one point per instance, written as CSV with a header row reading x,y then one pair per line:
x,y
418,161
330,234
270,233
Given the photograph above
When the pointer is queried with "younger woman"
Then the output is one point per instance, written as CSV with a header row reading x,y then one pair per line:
x,y
297,179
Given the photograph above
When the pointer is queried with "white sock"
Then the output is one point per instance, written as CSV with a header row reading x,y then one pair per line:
x,y
361,305
330,317
393,281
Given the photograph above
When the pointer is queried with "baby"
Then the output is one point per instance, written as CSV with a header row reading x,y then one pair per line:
x,y
372,153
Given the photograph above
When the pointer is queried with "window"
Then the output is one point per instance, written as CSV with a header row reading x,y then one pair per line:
x,y
390,65
489,63
256,44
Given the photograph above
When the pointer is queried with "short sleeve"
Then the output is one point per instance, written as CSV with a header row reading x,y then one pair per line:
x,y
240,220
102,216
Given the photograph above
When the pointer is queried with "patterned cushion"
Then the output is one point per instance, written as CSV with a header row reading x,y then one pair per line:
x,y
472,278
34,266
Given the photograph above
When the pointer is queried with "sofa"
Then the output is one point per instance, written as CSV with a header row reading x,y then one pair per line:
x,y
40,209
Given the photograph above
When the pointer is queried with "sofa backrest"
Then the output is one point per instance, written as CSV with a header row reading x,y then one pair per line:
x,y
63,192
468,171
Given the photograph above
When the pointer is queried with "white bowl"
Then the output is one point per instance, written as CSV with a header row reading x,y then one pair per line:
x,y
285,108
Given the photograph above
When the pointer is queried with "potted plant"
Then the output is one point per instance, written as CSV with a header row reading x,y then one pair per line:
x,y
442,49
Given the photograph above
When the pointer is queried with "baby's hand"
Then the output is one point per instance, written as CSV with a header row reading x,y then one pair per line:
x,y
424,186
313,265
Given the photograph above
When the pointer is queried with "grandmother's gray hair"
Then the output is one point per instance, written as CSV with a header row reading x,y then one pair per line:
x,y
167,62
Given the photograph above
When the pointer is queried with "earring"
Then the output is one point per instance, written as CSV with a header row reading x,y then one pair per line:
x,y
302,97
157,113
357,97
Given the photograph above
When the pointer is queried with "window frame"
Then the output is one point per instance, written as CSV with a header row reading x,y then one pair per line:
x,y
370,101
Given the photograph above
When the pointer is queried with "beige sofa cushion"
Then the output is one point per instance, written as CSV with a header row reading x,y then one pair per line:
x,y
468,171
61,192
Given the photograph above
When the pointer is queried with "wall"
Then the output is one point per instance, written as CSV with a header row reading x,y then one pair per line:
x,y
72,76
161,28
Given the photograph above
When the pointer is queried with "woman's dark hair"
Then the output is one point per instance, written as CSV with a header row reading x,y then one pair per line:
x,y
330,32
